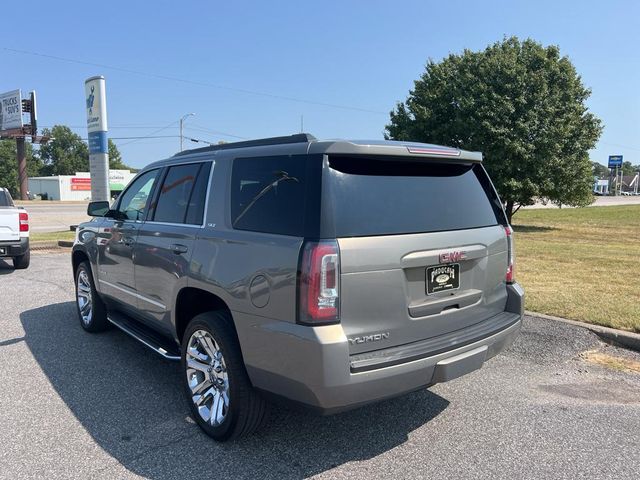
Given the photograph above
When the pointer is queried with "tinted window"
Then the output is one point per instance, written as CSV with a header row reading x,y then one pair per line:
x,y
133,202
174,198
5,199
368,196
268,194
195,211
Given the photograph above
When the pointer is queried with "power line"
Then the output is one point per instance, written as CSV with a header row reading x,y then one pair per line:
x,y
621,146
200,128
151,134
145,127
193,82
146,136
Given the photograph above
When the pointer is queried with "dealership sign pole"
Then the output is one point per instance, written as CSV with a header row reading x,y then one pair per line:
x,y
615,161
96,104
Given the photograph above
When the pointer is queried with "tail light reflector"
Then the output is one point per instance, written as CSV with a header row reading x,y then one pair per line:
x,y
510,276
319,283
24,221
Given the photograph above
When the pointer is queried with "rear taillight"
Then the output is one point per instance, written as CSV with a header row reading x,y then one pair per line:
x,y
319,283
24,221
510,276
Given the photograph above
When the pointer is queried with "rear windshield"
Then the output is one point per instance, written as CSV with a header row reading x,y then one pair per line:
x,y
5,199
371,196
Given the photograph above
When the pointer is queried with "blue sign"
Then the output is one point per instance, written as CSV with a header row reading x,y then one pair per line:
x,y
615,161
98,142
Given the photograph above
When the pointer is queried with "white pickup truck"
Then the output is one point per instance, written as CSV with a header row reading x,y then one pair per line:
x,y
14,231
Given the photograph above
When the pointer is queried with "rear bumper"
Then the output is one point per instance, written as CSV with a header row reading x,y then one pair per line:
x,y
15,248
312,365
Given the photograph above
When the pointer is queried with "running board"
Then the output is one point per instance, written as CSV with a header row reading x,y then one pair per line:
x,y
153,340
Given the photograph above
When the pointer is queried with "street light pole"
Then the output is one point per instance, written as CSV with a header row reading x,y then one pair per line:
x,y
181,122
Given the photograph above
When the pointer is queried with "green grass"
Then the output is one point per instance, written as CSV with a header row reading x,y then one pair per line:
x,y
582,263
51,236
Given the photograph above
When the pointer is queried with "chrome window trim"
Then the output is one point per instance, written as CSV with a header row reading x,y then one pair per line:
x,y
206,199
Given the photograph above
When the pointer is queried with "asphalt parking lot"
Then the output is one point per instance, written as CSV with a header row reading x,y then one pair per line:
x,y
75,405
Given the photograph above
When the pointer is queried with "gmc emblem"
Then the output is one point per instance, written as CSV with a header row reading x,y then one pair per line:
x,y
454,256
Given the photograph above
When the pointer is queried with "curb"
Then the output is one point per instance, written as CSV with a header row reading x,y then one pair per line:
x,y
51,244
45,245
623,338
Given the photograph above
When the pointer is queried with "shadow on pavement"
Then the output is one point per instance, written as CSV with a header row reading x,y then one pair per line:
x,y
6,267
130,402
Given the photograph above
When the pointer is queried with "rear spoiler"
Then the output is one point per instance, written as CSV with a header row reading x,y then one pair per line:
x,y
395,149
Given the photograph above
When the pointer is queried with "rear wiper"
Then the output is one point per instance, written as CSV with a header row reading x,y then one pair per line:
x,y
282,177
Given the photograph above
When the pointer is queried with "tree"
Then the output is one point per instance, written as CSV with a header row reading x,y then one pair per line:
x,y
628,168
599,170
115,158
9,166
522,105
65,154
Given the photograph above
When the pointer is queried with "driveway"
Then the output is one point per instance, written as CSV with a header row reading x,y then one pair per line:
x,y
75,405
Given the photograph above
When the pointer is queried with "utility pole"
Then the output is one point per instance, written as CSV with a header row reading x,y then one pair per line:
x,y
181,136
21,155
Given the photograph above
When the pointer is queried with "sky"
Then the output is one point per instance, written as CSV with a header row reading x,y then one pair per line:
x,y
258,69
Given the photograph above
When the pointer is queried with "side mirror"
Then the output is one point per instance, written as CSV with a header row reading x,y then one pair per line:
x,y
97,209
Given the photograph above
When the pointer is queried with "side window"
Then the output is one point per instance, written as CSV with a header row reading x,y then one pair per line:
x,y
268,194
182,194
195,212
133,202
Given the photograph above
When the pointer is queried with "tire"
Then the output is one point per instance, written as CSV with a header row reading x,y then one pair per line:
x,y
95,318
217,375
21,262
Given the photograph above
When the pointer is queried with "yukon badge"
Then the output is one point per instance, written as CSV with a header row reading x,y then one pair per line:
x,y
453,256
369,338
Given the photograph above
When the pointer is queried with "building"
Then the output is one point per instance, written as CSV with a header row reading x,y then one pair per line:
x,y
76,187
601,186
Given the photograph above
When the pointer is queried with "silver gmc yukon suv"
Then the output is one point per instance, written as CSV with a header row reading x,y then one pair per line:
x,y
326,273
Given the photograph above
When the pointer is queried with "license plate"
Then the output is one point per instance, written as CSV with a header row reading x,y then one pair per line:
x,y
441,278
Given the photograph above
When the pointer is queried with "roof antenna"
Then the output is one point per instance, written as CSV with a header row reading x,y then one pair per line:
x,y
301,123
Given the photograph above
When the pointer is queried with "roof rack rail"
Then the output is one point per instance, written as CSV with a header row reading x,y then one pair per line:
x,y
297,138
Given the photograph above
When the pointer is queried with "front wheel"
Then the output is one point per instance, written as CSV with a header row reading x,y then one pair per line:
x,y
91,309
218,390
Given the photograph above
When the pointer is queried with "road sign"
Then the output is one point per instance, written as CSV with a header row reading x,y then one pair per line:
x,y
615,161
11,110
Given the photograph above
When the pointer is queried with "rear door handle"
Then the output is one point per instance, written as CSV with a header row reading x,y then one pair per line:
x,y
178,248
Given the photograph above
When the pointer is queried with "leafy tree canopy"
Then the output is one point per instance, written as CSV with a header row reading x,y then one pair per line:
x,y
115,158
629,169
522,105
9,166
600,170
65,154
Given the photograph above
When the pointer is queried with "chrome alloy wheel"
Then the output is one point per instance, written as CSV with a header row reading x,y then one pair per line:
x,y
207,377
84,297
